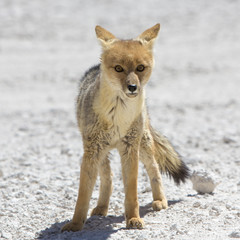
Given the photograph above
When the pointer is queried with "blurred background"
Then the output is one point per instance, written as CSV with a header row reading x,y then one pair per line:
x,y
44,41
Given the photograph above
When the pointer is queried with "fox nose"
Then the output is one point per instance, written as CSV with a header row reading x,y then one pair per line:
x,y
132,87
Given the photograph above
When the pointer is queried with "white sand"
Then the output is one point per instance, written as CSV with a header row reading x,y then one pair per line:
x,y
193,99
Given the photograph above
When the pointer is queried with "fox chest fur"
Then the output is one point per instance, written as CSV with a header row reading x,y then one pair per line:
x,y
117,112
105,114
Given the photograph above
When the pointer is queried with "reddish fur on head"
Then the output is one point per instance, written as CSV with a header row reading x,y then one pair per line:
x,y
128,54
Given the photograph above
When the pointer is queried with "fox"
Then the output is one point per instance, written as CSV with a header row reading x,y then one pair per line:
x,y
112,114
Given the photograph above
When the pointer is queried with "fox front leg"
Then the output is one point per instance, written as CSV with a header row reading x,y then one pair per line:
x,y
88,175
105,188
129,158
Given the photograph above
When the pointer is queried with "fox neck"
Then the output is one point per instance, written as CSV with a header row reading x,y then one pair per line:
x,y
116,109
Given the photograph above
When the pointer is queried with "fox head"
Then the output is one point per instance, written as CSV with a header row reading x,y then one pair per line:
x,y
127,64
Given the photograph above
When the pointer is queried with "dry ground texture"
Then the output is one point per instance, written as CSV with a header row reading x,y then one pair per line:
x,y
193,99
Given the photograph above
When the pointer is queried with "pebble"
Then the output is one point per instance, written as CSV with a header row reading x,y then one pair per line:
x,y
146,189
42,186
238,186
237,162
67,151
228,206
39,192
235,234
174,227
213,212
203,182
196,204
6,235
39,197
204,206
19,195
228,140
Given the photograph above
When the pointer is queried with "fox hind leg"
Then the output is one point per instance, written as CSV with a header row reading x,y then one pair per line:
x,y
148,159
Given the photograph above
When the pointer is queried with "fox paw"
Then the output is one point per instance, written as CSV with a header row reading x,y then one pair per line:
x,y
159,205
135,223
74,227
99,211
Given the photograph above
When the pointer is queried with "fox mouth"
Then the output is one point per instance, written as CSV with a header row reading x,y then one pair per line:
x,y
131,95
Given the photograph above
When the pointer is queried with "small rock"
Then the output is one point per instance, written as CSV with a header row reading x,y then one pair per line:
x,y
204,206
203,182
237,162
228,140
235,234
238,186
42,186
39,197
19,195
214,211
174,227
147,189
196,204
23,129
66,151
6,235
229,216
39,192
228,206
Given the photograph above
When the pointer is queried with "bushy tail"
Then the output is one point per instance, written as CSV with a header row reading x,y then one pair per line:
x,y
168,159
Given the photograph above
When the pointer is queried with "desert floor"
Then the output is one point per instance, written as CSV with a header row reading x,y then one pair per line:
x,y
193,98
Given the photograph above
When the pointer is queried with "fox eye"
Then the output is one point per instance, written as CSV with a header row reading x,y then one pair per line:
x,y
140,68
118,68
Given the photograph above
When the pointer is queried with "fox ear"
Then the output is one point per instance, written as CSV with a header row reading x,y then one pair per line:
x,y
148,37
105,37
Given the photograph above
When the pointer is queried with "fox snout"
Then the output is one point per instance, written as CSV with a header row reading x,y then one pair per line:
x,y
133,85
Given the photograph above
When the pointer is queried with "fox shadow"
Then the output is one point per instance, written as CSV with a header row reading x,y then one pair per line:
x,y
96,227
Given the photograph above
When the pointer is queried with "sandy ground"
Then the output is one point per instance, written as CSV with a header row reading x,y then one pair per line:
x,y
193,99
